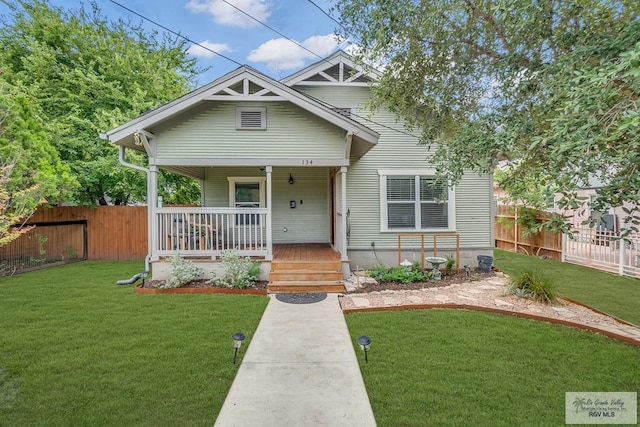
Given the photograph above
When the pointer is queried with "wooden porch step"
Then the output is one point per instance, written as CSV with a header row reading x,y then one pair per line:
x,y
280,265
315,286
304,275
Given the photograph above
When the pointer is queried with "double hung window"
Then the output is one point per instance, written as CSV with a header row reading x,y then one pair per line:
x,y
415,202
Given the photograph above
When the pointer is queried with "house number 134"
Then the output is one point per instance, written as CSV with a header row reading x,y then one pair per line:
x,y
307,162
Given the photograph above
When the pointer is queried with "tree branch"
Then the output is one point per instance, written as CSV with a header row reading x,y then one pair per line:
x,y
491,20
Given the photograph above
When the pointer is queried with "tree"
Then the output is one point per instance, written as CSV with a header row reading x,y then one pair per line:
x,y
30,169
550,86
87,75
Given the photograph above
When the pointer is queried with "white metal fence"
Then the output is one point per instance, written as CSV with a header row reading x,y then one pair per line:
x,y
603,249
210,231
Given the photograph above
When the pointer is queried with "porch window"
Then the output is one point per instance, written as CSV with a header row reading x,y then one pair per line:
x,y
415,202
247,192
251,118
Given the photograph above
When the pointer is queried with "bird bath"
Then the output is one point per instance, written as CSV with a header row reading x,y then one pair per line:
x,y
436,261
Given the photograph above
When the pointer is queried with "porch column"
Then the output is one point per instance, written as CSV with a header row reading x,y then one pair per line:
x,y
152,204
269,256
343,217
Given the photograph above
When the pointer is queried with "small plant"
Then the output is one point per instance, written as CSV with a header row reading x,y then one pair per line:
x,y
398,274
531,285
239,272
451,262
69,252
42,239
184,271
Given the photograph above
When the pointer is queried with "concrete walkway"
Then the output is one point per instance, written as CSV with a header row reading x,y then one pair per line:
x,y
300,370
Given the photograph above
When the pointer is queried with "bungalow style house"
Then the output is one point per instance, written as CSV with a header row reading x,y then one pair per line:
x,y
300,174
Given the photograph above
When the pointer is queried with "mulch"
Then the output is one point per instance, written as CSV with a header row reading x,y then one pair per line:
x,y
202,283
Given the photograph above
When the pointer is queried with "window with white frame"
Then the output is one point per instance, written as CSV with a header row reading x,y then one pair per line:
x,y
246,192
251,118
415,201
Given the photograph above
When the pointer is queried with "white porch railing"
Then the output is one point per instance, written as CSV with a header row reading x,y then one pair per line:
x,y
603,249
210,231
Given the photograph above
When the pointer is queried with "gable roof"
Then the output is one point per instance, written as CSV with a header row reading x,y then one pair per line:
x,y
242,84
336,69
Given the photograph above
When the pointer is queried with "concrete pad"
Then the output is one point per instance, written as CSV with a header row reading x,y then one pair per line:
x,y
300,369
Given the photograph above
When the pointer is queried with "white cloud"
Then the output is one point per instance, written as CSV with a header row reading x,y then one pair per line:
x,y
200,52
283,54
223,13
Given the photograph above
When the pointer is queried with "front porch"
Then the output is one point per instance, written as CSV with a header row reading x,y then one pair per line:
x,y
295,267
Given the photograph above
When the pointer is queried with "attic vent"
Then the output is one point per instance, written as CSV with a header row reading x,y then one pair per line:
x,y
251,118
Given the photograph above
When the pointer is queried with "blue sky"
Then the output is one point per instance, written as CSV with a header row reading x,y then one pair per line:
x,y
222,28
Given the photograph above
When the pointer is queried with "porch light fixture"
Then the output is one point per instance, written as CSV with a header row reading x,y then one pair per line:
x,y
365,343
290,179
238,337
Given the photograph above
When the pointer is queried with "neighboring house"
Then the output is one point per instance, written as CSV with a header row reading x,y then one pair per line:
x,y
613,220
301,161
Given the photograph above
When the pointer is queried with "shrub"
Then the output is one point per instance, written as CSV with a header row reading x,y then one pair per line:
x,y
239,272
183,270
531,285
451,262
398,274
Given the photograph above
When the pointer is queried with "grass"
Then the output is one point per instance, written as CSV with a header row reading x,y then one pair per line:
x,y
455,368
613,294
75,349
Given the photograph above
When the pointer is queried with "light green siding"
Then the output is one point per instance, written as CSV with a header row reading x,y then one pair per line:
x,y
397,150
211,133
309,222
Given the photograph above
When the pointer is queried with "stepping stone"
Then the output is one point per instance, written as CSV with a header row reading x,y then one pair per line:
x,y
443,298
350,287
488,287
360,302
391,301
473,300
387,291
367,281
475,291
414,299
534,309
563,312
501,303
495,282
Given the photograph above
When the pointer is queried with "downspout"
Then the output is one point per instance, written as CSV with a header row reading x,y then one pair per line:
x,y
147,259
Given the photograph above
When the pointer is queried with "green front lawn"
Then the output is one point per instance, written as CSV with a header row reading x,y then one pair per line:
x,y
75,349
613,294
462,368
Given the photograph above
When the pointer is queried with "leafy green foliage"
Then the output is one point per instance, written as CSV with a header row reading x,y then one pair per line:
x,y
531,285
398,274
31,171
451,262
85,75
239,272
551,87
183,271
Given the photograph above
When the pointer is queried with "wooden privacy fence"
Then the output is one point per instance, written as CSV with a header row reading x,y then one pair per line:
x,y
114,233
510,236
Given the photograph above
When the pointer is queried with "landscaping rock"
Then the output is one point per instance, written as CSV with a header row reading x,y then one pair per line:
x,y
501,303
